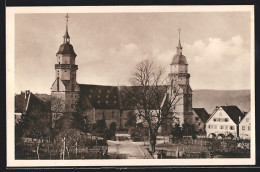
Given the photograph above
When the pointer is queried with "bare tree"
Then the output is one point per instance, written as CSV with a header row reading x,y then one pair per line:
x,y
154,96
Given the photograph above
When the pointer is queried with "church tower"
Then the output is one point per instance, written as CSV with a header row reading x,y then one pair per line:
x,y
65,88
180,77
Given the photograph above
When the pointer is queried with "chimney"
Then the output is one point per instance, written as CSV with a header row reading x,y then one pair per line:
x,y
27,92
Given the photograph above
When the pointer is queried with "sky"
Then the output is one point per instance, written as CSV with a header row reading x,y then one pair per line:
x,y
109,45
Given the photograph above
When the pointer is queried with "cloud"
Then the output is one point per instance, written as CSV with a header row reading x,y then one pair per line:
x,y
219,64
214,63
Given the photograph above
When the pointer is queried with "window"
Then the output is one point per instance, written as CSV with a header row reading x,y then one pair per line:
x,y
221,127
247,119
199,123
196,118
214,119
226,127
226,120
249,128
112,115
107,102
243,127
232,127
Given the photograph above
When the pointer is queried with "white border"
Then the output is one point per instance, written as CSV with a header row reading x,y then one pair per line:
x,y
10,40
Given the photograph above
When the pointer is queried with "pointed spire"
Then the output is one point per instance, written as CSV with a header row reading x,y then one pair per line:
x,y
66,35
179,47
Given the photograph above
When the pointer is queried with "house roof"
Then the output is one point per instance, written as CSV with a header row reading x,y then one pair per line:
x,y
202,114
26,101
234,113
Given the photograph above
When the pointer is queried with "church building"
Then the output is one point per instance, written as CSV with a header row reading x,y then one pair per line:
x,y
107,102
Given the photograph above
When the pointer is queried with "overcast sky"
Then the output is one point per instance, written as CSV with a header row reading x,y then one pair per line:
x,y
108,46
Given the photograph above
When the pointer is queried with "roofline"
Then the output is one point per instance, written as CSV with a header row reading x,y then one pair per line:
x,y
214,112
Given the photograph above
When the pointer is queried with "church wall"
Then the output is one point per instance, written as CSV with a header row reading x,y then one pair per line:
x,y
111,115
179,110
65,74
71,100
58,98
91,115
183,69
126,115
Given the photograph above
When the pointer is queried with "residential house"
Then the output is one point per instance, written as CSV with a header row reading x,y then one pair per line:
x,y
224,121
245,127
200,118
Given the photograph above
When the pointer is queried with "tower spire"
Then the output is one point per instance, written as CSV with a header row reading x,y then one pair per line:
x,y
66,36
179,47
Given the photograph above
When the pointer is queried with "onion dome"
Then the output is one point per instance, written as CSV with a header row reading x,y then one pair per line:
x,y
66,48
179,58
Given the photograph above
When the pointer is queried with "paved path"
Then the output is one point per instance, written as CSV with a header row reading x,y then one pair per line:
x,y
127,147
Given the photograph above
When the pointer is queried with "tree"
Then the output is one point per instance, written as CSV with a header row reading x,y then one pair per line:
x,y
177,132
131,121
152,96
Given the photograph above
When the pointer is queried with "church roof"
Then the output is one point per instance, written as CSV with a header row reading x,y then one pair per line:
x,y
179,59
202,114
99,96
66,48
112,97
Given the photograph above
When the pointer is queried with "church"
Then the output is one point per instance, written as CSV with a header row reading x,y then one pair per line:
x,y
107,102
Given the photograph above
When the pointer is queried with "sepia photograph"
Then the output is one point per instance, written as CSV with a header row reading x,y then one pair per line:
x,y
140,85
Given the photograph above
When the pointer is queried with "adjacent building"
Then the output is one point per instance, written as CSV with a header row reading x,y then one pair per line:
x,y
224,121
27,103
245,127
200,118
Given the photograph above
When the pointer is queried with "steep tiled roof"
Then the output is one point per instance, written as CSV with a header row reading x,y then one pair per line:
x,y
127,101
99,96
21,101
202,113
113,97
27,101
234,113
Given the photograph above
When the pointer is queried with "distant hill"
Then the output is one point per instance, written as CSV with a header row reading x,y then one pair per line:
x,y
209,99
